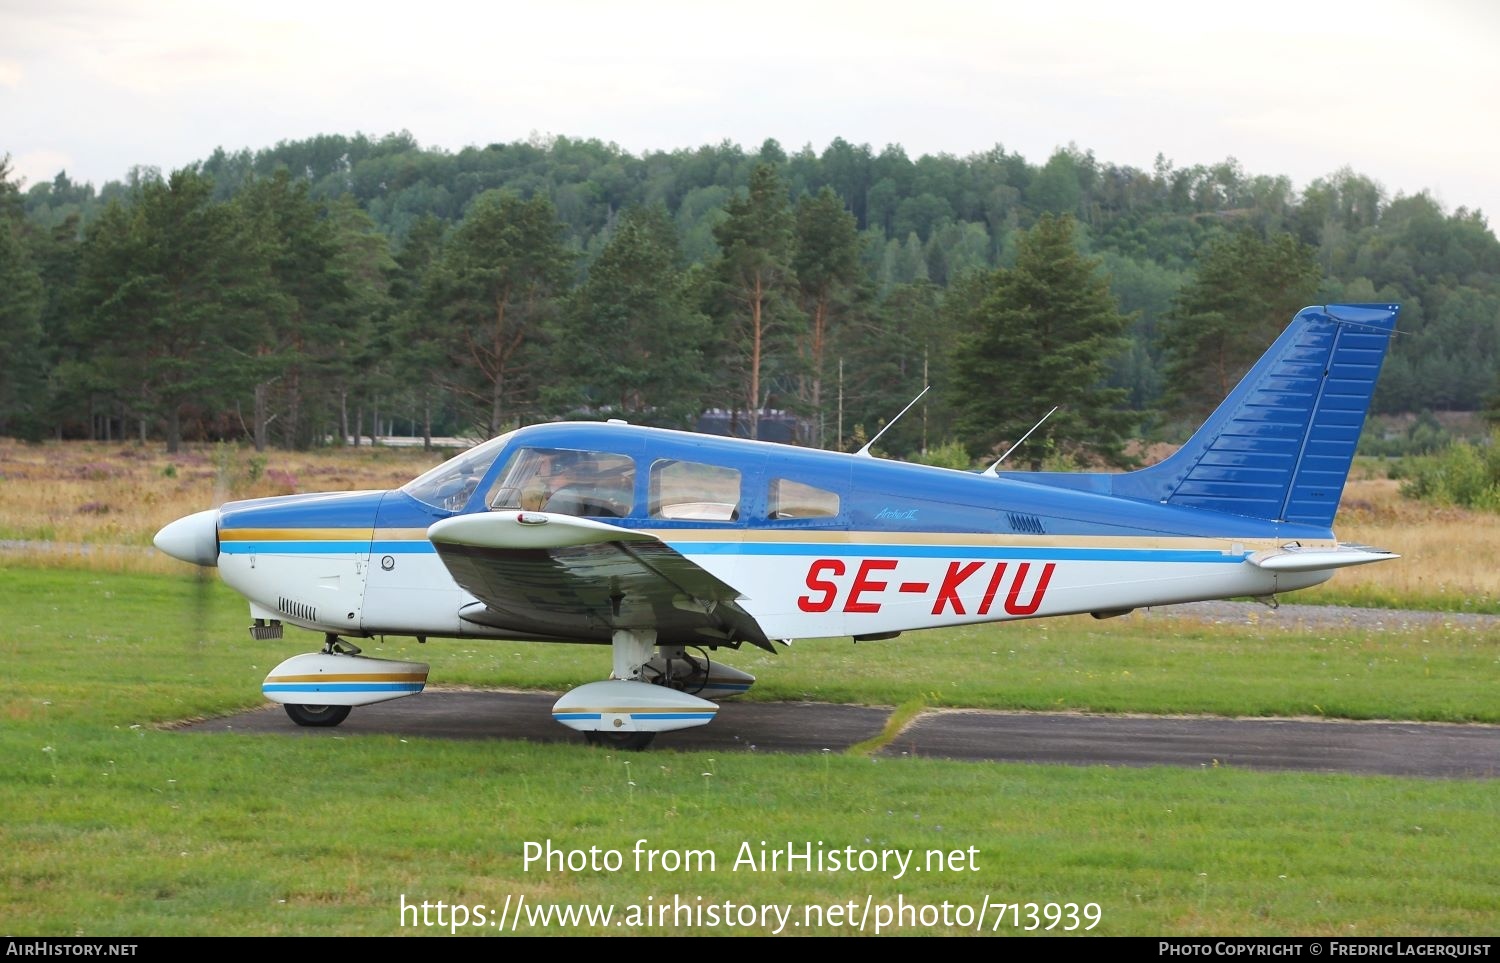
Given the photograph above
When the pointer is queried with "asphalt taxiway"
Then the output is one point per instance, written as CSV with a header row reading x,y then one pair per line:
x,y
1434,750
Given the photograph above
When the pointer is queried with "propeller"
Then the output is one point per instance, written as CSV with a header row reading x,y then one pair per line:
x,y
195,538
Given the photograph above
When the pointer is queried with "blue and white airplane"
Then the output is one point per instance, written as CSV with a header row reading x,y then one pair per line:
x,y
664,543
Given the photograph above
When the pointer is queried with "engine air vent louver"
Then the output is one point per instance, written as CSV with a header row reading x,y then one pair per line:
x,y
297,610
1026,524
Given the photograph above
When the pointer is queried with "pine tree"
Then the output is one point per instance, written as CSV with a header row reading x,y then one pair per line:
x,y
156,303
299,297
21,306
1244,292
497,285
827,267
632,341
1040,334
755,281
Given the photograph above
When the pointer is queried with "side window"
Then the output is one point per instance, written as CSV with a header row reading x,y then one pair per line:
x,y
599,484
792,499
693,490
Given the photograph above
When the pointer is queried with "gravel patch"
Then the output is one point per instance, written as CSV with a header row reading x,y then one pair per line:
x,y
1302,617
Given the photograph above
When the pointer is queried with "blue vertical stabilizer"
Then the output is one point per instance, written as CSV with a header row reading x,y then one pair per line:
x,y
1280,446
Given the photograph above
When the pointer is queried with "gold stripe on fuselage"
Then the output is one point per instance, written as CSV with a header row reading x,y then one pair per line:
x,y
1005,539
296,534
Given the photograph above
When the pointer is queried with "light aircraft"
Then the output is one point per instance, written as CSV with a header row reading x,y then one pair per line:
x,y
664,544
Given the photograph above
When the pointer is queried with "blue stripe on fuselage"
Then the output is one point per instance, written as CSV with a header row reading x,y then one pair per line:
x,y
588,716
349,547
406,547
342,687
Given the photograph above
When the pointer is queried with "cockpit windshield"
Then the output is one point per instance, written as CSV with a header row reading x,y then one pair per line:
x,y
450,485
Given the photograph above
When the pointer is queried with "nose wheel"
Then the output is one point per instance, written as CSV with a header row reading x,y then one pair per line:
x,y
628,741
320,717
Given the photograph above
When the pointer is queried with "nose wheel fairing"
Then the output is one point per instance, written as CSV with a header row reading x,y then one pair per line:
x,y
620,705
338,679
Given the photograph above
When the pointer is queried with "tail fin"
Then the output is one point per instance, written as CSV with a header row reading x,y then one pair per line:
x,y
1280,446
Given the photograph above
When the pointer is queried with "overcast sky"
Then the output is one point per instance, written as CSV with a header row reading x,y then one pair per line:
x,y
1406,93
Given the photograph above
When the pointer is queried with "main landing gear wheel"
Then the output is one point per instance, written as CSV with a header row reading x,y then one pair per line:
x,y
630,741
317,716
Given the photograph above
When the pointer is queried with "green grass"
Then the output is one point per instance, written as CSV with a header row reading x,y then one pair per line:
x,y
1375,595
115,825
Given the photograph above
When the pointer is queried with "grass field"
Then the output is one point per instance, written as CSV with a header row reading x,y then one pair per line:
x,y
116,823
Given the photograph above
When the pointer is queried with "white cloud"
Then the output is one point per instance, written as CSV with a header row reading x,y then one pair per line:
x,y
1403,93
34,167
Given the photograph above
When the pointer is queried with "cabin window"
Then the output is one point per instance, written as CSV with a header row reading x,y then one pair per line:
x,y
693,491
598,484
793,499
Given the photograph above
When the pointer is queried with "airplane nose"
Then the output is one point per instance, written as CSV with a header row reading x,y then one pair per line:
x,y
194,538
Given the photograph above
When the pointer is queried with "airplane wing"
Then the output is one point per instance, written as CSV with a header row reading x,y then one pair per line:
x,y
545,575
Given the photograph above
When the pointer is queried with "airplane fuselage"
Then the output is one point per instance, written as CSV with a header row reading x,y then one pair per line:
x,y
898,547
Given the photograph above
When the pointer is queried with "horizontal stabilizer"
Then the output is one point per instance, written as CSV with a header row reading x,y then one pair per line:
x,y
1296,559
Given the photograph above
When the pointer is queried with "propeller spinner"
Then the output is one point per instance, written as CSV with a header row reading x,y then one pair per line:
x,y
192,538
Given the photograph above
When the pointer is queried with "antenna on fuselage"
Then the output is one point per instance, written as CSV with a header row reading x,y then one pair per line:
x,y
865,451
991,470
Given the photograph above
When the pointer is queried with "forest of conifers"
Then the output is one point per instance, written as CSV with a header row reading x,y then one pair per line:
x,y
340,286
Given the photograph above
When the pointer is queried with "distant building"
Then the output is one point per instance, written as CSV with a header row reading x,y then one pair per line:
x,y
775,425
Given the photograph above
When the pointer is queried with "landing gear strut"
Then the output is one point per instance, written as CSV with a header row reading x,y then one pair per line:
x,y
631,651
675,669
